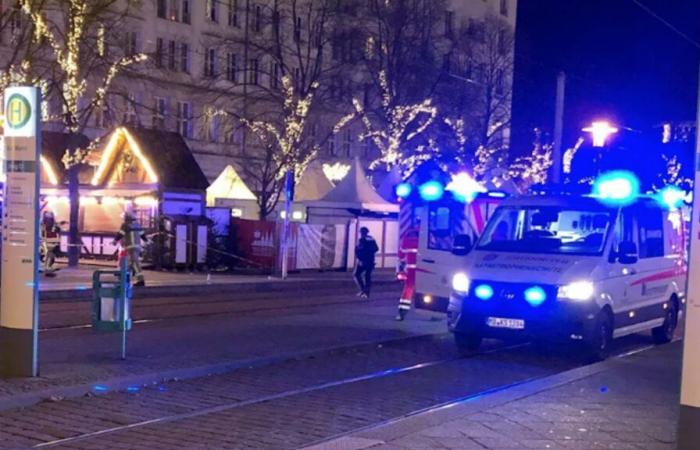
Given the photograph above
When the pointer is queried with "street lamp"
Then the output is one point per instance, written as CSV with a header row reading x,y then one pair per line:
x,y
600,131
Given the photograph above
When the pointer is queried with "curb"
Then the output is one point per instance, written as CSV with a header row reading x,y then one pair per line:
x,y
274,285
374,435
100,387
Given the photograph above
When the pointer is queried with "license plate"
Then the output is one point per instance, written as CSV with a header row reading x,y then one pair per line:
x,y
499,322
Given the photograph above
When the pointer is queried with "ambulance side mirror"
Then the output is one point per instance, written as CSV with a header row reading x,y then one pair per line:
x,y
627,252
461,245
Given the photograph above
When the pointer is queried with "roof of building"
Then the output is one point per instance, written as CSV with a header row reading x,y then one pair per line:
x,y
53,147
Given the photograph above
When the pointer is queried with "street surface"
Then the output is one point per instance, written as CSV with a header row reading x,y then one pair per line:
x,y
354,367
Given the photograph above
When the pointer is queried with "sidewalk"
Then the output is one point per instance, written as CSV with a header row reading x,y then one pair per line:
x,y
625,403
76,283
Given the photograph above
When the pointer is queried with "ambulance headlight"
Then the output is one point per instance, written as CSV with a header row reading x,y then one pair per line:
x,y
577,291
460,283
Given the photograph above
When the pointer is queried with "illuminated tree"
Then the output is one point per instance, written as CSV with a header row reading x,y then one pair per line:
x,y
278,97
77,36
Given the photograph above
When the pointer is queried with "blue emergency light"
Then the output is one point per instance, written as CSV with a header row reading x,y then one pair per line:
x,y
431,191
483,292
464,187
672,197
535,295
616,188
403,190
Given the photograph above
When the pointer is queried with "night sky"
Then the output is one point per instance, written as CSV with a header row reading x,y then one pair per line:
x,y
621,64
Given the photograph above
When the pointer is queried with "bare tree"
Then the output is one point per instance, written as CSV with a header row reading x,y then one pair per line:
x,y
476,94
278,96
82,41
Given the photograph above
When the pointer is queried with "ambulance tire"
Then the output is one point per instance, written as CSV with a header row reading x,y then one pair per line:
x,y
664,333
467,343
598,345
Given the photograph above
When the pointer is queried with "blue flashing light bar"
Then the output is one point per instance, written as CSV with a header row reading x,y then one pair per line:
x,y
464,187
672,197
403,190
483,292
535,295
431,191
616,188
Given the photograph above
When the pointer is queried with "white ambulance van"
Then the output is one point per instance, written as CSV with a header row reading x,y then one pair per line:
x,y
570,268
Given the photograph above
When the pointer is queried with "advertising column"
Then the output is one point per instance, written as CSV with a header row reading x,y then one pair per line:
x,y
19,289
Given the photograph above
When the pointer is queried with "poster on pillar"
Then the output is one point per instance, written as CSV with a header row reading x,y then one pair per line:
x,y
20,224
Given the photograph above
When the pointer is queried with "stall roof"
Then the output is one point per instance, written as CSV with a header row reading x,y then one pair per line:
x,y
229,185
53,147
154,157
313,184
355,192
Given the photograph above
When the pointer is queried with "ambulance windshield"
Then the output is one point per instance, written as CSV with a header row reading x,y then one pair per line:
x,y
547,229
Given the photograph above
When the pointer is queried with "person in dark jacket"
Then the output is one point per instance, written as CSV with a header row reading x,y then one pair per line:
x,y
365,251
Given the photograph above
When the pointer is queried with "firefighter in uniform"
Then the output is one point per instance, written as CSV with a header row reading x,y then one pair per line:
x,y
408,259
130,235
50,240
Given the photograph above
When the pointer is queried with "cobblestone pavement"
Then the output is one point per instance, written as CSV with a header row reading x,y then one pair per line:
x,y
79,356
284,405
630,404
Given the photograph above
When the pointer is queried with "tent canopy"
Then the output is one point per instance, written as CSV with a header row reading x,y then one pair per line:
x,y
355,192
312,185
229,185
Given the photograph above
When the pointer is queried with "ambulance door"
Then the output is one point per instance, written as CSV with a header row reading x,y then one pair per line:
x,y
436,263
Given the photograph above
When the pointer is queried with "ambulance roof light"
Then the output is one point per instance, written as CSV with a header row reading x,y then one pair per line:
x,y
431,191
672,197
403,190
617,188
464,187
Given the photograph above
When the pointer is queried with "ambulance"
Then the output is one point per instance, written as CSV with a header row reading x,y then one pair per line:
x,y
571,268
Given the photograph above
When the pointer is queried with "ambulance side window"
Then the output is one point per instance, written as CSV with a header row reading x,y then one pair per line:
x,y
651,232
439,229
625,228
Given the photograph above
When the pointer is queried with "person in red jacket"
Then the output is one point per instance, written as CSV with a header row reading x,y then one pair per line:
x,y
408,259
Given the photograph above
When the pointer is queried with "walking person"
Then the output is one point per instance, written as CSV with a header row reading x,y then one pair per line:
x,y
50,241
131,234
365,251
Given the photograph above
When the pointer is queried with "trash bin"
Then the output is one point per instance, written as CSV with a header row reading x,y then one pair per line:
x,y
111,299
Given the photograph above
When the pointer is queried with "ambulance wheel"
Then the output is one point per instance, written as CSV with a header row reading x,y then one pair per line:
x,y
664,333
467,343
598,345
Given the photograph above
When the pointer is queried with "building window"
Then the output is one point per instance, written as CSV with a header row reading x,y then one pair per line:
x,y
297,29
172,65
331,145
257,24
102,116
130,116
500,82
298,81
210,63
159,111
274,74
213,10
504,8
186,11
449,23
213,126
347,143
131,43
233,20
185,57
232,67
184,119
162,9
175,10
159,53
253,73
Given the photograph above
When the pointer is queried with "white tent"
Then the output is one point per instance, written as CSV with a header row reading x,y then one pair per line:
x,y
229,185
355,192
312,185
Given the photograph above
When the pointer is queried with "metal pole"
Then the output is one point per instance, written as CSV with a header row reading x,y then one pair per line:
x,y
689,418
288,198
125,282
558,128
